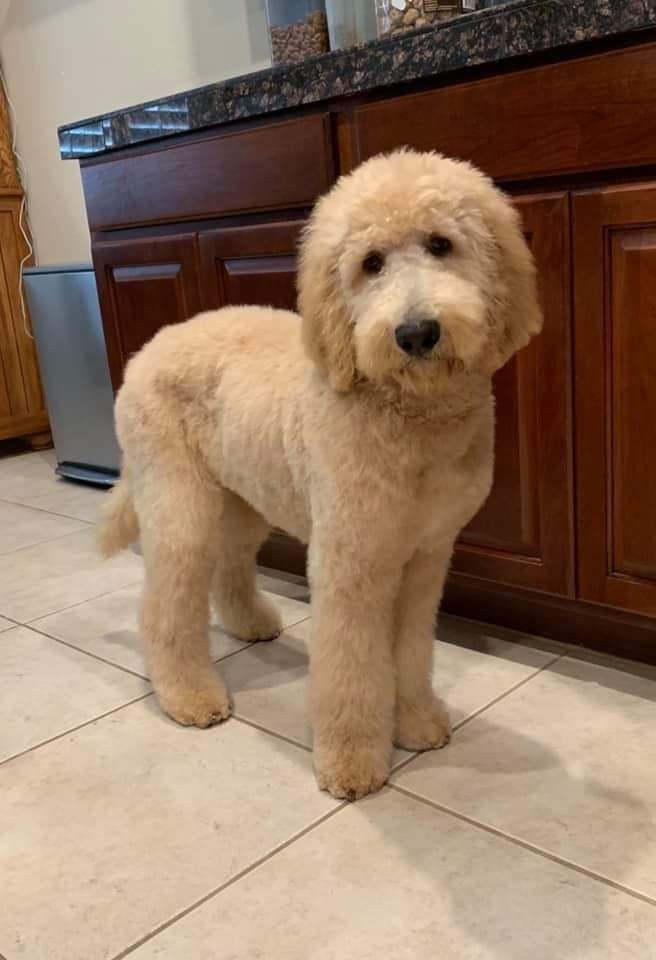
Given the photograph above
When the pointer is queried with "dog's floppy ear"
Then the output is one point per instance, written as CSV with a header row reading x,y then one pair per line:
x,y
518,315
327,329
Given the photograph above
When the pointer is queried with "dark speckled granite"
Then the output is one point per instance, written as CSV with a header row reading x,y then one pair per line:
x,y
500,32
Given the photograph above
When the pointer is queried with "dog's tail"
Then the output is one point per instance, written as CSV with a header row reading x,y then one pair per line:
x,y
119,526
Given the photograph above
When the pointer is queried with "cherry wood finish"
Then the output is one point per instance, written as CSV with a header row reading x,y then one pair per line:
x,y
253,264
615,290
281,165
596,113
523,534
144,285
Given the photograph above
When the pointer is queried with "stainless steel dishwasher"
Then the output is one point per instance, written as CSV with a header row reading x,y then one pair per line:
x,y
67,327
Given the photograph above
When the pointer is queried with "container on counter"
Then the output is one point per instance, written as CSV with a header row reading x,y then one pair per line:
x,y
298,29
399,16
351,22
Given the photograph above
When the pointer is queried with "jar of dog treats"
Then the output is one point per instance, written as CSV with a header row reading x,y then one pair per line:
x,y
399,16
298,29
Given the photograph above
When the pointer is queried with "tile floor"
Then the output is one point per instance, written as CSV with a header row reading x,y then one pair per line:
x,y
531,837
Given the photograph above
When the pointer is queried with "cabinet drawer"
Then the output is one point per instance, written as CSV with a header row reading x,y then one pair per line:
x,y
590,114
277,166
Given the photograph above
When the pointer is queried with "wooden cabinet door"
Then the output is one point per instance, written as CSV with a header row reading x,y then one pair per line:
x,y
615,394
144,285
250,264
523,534
22,407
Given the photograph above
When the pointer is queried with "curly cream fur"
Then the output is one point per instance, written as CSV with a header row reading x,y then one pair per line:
x,y
247,418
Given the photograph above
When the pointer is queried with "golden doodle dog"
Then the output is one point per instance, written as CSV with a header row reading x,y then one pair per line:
x,y
364,427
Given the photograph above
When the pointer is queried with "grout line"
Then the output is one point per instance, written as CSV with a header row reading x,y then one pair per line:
x,y
38,543
484,708
247,644
509,691
78,603
14,623
233,653
526,845
54,513
87,653
231,881
295,623
80,726
273,733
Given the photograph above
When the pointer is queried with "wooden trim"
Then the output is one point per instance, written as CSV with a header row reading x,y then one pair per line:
x,y
571,621
23,426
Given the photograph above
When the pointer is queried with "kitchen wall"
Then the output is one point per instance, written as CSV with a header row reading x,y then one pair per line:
x,y
68,59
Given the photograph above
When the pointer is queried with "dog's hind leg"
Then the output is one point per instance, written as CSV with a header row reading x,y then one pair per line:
x,y
244,610
177,515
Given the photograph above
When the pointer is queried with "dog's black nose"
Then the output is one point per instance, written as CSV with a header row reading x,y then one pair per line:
x,y
418,338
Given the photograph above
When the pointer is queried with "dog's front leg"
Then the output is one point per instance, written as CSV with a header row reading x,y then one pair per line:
x,y
351,665
421,722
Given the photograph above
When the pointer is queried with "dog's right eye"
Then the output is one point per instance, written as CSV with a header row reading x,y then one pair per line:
x,y
373,262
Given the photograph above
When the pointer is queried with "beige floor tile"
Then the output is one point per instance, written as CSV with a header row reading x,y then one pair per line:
x,y
108,627
40,580
6,624
119,826
24,526
565,763
47,688
392,878
30,479
269,680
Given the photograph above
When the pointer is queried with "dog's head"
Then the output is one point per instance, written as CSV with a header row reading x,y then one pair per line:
x,y
413,269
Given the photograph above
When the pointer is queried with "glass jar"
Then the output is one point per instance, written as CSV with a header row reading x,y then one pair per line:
x,y
399,16
351,22
298,29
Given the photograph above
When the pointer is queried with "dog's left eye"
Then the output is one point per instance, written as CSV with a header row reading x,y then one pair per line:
x,y
373,262
438,246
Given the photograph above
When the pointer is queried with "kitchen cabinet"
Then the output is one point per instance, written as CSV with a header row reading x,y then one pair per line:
x,y
565,545
22,405
615,384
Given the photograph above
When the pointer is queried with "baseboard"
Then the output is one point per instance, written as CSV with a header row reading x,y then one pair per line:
x,y
569,620
606,629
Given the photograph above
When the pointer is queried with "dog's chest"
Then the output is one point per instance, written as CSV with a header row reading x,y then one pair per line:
x,y
453,486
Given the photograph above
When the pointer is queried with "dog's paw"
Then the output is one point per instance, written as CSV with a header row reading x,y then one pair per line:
x,y
262,621
423,725
351,773
201,705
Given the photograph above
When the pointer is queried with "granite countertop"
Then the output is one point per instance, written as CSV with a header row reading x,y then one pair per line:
x,y
513,29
